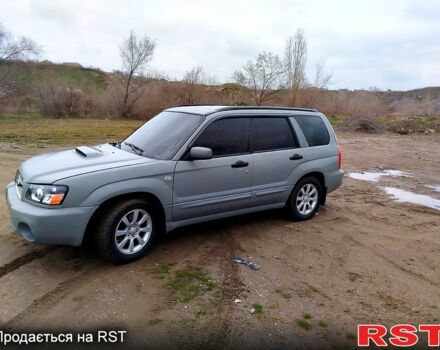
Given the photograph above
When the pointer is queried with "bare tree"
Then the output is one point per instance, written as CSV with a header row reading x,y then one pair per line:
x,y
261,78
135,54
192,80
60,100
322,76
295,57
12,49
314,94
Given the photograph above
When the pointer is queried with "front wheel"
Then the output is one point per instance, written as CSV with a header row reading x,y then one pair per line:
x,y
305,199
126,231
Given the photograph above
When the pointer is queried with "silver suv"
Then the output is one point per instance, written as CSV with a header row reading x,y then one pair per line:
x,y
186,165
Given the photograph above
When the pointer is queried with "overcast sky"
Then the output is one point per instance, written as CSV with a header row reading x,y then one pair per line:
x,y
385,44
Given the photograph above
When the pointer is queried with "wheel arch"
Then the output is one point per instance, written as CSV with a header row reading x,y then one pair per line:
x,y
147,196
321,178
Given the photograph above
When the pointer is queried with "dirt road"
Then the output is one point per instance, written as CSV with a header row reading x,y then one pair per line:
x,y
364,258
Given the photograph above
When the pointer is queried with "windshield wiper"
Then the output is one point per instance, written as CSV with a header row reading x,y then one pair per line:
x,y
116,144
139,151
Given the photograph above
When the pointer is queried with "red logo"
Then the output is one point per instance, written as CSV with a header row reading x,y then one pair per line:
x,y
400,335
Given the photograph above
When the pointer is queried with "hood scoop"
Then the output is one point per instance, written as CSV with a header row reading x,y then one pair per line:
x,y
87,152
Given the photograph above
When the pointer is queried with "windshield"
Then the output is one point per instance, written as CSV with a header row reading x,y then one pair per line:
x,y
162,136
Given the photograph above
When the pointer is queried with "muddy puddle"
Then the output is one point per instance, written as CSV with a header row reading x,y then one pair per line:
x,y
375,176
435,188
398,194
406,196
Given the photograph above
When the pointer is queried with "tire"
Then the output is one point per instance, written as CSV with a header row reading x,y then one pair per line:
x,y
126,218
310,202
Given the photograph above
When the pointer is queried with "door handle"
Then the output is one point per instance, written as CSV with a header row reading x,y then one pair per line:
x,y
239,164
296,156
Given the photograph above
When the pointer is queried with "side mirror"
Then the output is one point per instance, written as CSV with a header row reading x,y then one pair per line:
x,y
200,153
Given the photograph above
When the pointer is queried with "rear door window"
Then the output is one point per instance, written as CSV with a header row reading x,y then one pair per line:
x,y
271,133
314,129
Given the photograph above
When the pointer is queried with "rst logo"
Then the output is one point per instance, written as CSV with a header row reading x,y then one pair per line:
x,y
401,335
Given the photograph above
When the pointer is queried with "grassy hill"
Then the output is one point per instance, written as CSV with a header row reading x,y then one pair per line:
x,y
28,75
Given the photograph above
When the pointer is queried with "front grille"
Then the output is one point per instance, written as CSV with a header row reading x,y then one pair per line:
x,y
18,184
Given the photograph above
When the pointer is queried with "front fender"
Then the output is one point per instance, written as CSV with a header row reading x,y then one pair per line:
x,y
153,177
159,187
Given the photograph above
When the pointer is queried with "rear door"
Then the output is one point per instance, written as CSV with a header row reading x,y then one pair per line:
x,y
221,184
276,154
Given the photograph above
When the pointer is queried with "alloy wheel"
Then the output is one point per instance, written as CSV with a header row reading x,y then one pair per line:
x,y
133,231
307,199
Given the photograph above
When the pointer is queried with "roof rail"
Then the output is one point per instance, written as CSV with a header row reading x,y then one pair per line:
x,y
193,105
231,108
220,108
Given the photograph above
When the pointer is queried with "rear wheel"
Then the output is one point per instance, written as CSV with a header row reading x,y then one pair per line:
x,y
127,230
305,198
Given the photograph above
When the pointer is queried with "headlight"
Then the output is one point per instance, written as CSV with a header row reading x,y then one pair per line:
x,y
46,194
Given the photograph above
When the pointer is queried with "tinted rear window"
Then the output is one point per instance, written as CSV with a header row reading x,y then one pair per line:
x,y
271,133
314,130
226,137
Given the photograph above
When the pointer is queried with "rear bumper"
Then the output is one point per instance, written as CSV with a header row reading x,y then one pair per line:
x,y
334,179
64,226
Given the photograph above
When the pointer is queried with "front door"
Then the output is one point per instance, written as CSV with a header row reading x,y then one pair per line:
x,y
222,183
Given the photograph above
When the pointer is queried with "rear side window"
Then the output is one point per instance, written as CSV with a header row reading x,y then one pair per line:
x,y
271,133
226,137
314,130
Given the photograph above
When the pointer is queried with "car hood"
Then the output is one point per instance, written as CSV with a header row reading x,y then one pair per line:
x,y
50,167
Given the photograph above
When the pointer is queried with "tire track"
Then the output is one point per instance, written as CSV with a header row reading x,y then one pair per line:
x,y
214,252
205,252
343,249
338,259
50,299
418,275
230,286
24,259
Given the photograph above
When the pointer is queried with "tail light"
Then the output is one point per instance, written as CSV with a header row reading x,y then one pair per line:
x,y
339,157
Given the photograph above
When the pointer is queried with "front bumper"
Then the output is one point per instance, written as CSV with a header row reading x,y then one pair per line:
x,y
64,226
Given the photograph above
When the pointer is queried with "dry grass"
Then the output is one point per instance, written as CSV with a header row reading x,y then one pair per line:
x,y
77,131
